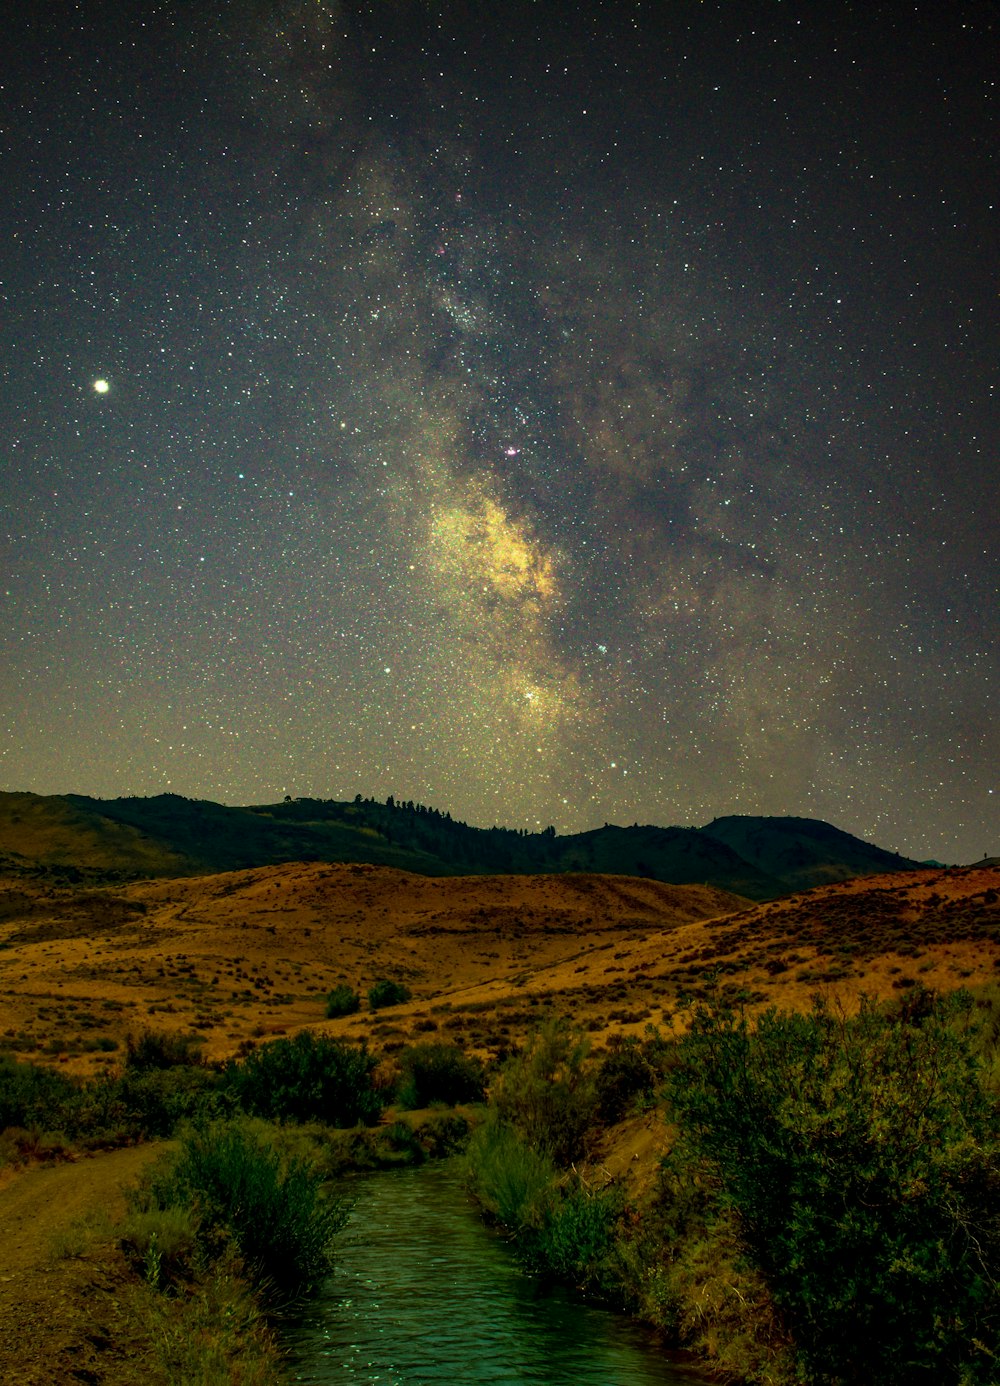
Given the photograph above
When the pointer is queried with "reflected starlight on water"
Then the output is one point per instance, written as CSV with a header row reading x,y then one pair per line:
x,y
424,1293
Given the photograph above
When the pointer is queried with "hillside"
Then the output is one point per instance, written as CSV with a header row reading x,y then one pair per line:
x,y
244,954
241,956
801,852
56,833
75,837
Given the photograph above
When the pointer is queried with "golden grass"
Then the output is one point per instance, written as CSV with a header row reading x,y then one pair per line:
x,y
245,955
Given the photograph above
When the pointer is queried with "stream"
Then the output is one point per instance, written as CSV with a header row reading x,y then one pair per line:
x,y
423,1292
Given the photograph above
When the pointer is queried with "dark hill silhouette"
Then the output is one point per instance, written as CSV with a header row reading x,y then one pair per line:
x,y
802,852
79,837
682,856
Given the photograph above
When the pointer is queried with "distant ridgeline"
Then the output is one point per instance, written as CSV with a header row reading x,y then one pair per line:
x,y
78,838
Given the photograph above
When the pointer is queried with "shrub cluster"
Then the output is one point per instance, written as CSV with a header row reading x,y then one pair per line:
x,y
235,1190
163,1083
546,1093
625,1074
156,1049
343,1000
438,1072
860,1159
112,1109
29,1094
386,992
827,1214
307,1078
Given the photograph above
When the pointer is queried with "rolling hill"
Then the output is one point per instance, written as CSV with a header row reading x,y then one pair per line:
x,y
242,956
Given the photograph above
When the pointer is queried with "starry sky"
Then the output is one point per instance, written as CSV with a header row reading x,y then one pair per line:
x,y
554,413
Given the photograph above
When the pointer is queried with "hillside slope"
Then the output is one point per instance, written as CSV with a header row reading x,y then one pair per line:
x,y
241,956
52,833
802,852
244,954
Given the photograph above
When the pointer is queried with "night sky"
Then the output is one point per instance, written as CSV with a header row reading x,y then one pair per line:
x,y
553,413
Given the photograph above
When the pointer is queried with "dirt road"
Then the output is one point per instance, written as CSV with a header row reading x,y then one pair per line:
x,y
62,1319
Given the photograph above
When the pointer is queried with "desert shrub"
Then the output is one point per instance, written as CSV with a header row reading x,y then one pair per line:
x,y
438,1073
343,1000
861,1159
159,1049
110,1109
623,1074
371,1147
443,1133
241,1192
332,1153
402,1142
33,1096
307,1078
154,1101
547,1093
386,992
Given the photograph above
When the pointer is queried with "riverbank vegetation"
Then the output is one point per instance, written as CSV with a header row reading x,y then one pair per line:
x,y
163,1083
827,1210
234,1223
221,1233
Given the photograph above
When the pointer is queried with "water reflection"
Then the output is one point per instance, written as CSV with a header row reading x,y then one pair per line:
x,y
424,1293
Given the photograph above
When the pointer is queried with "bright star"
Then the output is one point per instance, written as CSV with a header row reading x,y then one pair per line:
x,y
101,387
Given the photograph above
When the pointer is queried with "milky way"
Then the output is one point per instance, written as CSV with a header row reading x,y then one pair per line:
x,y
556,414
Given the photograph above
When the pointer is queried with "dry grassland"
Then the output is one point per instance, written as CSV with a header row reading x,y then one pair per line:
x,y
247,955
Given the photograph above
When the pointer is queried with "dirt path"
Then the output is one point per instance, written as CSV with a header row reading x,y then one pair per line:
x,y
61,1318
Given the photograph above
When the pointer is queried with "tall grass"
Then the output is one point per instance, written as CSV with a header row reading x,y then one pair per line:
x,y
561,1227
215,1334
512,1182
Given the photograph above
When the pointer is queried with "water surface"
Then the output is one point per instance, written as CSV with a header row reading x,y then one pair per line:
x,y
424,1293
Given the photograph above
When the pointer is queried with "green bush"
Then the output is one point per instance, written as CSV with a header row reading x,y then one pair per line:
x,y
438,1072
241,1191
547,1093
142,1101
562,1228
343,1000
577,1237
307,1078
442,1134
158,1049
861,1158
386,992
624,1074
152,1101
33,1096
